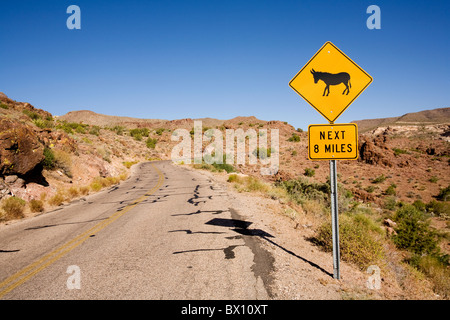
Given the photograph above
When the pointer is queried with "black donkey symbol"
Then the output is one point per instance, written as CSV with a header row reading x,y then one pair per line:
x,y
332,79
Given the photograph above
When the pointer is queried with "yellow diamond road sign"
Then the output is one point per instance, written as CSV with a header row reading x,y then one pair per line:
x,y
333,141
330,81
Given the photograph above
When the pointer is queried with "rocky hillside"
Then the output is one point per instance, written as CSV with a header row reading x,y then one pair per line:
x,y
85,145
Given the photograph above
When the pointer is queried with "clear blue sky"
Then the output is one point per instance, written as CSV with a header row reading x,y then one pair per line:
x,y
221,59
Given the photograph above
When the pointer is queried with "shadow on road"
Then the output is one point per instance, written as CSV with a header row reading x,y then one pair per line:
x,y
241,227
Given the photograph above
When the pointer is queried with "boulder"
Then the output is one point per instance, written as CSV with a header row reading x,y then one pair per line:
x,y
374,152
20,149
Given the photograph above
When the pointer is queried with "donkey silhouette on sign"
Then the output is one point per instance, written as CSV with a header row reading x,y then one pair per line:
x,y
332,79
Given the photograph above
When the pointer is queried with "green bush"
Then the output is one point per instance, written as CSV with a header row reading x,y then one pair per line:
x,y
309,172
379,179
33,115
95,130
301,189
390,191
398,151
138,133
413,231
436,267
151,143
444,194
262,153
224,166
117,129
69,127
216,166
433,179
438,208
359,240
49,161
389,203
294,138
43,124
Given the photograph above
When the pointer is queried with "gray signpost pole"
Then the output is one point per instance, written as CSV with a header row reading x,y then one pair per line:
x,y
334,218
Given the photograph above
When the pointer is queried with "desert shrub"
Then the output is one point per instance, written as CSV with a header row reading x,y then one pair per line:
x,y
233,178
104,153
314,207
300,189
4,106
98,183
63,161
433,179
95,130
31,114
73,192
69,127
379,179
420,205
13,207
84,190
398,151
224,166
138,133
438,208
213,166
159,131
95,186
262,153
436,267
117,129
413,231
49,161
249,183
390,191
80,129
128,164
151,143
389,203
294,138
309,172
359,240
57,199
444,194
36,205
43,123
254,184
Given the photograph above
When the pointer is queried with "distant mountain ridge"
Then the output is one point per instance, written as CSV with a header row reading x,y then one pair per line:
x,y
93,118
426,117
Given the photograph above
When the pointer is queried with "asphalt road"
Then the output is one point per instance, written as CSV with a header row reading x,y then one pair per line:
x,y
165,233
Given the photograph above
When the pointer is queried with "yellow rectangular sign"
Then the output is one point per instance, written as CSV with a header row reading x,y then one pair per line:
x,y
333,141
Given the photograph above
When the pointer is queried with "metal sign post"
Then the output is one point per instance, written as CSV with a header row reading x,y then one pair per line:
x,y
334,219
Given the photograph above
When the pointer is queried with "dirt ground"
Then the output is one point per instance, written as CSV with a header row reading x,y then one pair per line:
x,y
302,271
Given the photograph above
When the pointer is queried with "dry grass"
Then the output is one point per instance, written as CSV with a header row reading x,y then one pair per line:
x,y
63,161
13,208
57,199
36,205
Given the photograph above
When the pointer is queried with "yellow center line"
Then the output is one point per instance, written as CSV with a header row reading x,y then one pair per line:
x,y
56,254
